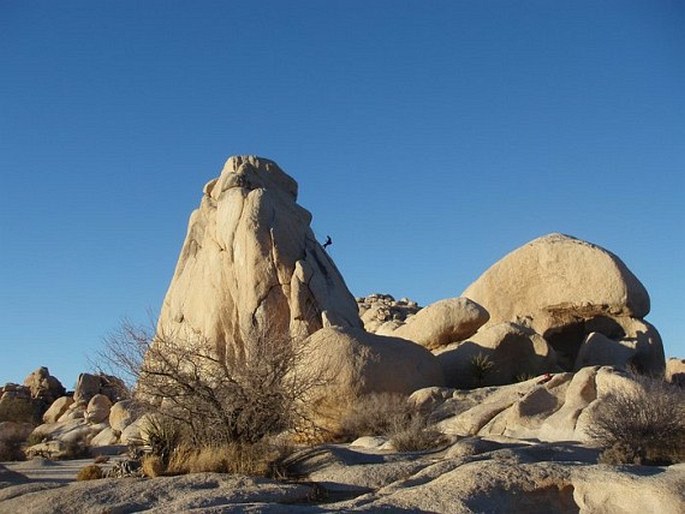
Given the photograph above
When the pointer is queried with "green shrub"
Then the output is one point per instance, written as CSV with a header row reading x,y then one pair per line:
x,y
90,472
644,424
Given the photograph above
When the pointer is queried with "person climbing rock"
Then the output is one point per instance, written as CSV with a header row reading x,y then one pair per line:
x,y
328,242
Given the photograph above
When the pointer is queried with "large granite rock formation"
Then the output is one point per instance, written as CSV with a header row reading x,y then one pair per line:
x,y
348,363
250,262
565,289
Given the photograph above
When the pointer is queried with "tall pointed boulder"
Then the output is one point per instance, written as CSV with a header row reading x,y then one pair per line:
x,y
250,261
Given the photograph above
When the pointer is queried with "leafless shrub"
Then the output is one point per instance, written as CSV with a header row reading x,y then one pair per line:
x,y
645,424
200,398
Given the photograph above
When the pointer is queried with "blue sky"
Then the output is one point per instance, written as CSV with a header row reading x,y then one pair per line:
x,y
428,138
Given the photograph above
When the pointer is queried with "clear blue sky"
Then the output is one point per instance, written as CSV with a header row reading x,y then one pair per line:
x,y
428,138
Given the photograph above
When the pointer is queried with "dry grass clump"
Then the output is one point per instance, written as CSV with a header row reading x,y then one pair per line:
x,y
377,414
417,437
90,472
644,425
391,415
153,466
253,459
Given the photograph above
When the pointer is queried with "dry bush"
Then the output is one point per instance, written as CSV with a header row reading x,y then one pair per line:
x,y
417,437
153,466
254,459
11,450
21,410
75,450
216,399
645,424
377,414
90,472
619,454
391,415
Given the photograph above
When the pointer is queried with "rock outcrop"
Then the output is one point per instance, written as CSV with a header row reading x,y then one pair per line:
x,y
565,289
250,262
499,354
348,363
443,322
381,313
43,386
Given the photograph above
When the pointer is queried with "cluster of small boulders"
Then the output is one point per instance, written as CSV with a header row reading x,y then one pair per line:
x,y
381,313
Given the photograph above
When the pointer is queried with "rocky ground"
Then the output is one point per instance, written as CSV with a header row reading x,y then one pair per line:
x,y
471,475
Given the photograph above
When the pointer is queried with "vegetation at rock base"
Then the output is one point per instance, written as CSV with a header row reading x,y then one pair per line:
x,y
90,472
641,425
11,449
392,416
481,366
208,411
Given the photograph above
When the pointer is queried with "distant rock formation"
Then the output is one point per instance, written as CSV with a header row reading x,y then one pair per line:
x,y
566,289
250,262
381,313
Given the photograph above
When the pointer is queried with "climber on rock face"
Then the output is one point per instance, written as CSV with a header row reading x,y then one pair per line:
x,y
328,242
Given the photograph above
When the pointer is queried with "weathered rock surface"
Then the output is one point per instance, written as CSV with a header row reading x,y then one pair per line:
x,y
565,289
122,414
443,322
511,351
381,313
98,409
251,261
58,408
89,385
474,475
350,363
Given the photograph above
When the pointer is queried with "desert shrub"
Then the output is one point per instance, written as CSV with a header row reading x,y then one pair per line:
x,y
620,453
481,366
20,410
75,450
163,436
217,399
244,458
416,437
11,450
391,415
153,466
642,424
90,472
377,414
34,438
